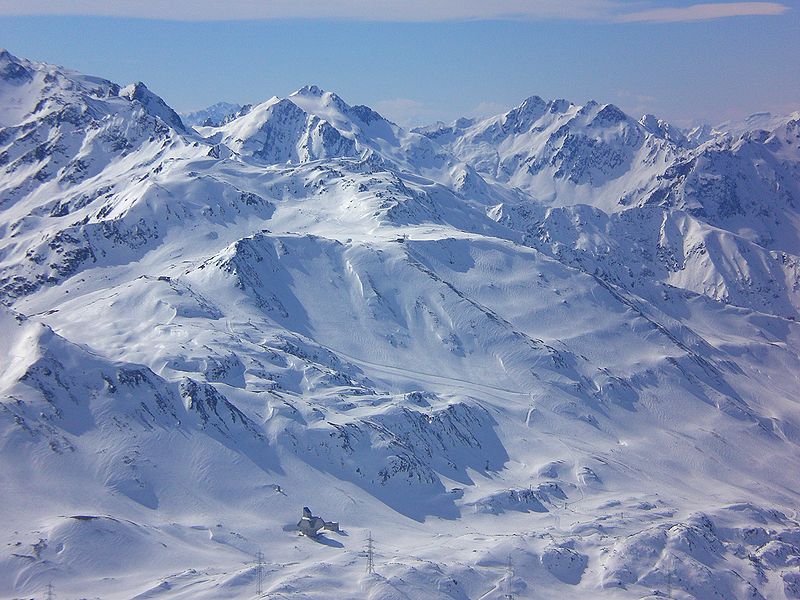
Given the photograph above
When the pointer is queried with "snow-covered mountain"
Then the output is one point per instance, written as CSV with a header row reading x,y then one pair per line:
x,y
552,353
214,115
620,197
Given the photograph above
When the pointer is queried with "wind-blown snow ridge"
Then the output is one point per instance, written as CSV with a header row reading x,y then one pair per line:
x,y
559,337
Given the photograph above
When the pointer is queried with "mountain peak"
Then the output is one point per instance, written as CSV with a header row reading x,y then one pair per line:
x,y
559,105
153,104
309,90
312,98
11,68
526,113
534,100
135,91
610,114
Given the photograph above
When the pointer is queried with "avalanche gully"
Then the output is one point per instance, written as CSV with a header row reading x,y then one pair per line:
x,y
549,354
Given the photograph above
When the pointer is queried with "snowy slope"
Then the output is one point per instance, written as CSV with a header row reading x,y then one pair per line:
x,y
550,354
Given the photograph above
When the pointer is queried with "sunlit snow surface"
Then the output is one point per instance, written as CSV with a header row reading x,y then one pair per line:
x,y
551,354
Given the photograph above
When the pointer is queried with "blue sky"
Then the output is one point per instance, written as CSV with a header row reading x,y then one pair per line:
x,y
434,59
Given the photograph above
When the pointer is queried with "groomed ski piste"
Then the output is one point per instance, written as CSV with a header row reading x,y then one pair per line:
x,y
552,354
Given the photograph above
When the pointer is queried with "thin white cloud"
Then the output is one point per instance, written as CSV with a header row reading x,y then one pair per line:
x,y
369,10
704,12
388,10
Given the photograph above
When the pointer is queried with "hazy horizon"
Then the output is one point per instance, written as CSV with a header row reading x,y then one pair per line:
x,y
689,64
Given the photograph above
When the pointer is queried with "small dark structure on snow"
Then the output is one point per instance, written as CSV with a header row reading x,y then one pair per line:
x,y
310,525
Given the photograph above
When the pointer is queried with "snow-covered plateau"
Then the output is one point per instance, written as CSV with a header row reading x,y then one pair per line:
x,y
551,354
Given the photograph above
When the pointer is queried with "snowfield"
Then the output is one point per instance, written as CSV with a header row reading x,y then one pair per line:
x,y
551,354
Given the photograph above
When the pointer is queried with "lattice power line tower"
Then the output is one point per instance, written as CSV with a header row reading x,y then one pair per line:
x,y
49,593
669,583
259,564
509,576
370,554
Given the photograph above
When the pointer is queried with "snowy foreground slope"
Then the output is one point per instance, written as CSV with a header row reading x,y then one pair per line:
x,y
550,354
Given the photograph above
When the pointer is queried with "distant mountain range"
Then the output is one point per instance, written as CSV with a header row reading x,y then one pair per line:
x,y
213,116
550,353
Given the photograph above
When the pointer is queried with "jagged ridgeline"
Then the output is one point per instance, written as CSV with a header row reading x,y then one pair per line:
x,y
550,353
